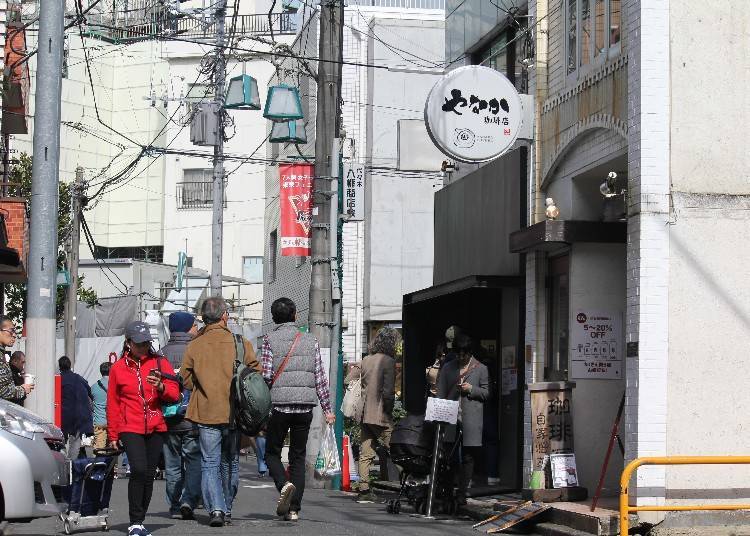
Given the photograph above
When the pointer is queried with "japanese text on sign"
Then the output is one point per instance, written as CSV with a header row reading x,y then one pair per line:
x,y
441,410
596,345
354,191
551,425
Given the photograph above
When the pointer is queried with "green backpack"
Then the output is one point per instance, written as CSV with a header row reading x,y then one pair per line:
x,y
250,398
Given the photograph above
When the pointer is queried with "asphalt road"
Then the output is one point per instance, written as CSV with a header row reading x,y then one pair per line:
x,y
324,513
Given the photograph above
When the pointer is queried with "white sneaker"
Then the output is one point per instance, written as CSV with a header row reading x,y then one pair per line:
x,y
138,530
292,516
285,497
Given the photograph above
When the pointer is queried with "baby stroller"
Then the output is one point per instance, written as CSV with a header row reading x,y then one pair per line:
x,y
89,492
411,450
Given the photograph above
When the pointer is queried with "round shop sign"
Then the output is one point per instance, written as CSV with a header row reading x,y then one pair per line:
x,y
473,114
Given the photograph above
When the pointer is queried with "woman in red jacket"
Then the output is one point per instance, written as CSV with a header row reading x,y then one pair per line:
x,y
137,389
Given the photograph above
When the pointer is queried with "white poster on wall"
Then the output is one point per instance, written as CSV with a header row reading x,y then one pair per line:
x,y
596,345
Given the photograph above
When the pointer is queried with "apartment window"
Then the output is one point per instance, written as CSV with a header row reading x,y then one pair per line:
x,y
199,93
592,32
506,52
273,242
252,269
196,191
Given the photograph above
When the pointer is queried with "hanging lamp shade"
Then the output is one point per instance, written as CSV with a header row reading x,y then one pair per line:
x,y
283,104
288,132
242,93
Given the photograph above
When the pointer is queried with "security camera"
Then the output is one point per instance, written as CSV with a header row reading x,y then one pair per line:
x,y
448,167
609,187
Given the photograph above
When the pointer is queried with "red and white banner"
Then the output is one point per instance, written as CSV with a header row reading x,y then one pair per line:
x,y
295,197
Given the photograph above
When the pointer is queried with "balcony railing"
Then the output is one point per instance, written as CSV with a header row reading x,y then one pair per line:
x,y
166,26
196,195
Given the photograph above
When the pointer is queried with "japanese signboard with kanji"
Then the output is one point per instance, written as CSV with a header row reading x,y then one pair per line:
x,y
473,114
295,199
551,424
354,191
596,345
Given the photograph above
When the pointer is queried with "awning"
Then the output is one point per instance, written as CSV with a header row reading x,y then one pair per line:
x,y
550,234
460,285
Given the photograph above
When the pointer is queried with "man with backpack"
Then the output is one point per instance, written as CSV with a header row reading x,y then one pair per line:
x,y
208,370
99,394
292,367
182,450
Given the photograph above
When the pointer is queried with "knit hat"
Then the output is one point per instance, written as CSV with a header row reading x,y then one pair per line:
x,y
181,322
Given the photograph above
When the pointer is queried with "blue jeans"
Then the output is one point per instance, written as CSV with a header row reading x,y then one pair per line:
x,y
260,453
182,465
220,466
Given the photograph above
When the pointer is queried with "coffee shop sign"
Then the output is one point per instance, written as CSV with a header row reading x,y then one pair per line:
x,y
473,114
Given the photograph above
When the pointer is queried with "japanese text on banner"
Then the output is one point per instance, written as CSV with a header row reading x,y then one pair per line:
x,y
295,198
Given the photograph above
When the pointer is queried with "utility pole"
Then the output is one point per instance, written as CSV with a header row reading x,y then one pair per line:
x,y
71,297
42,260
322,316
217,227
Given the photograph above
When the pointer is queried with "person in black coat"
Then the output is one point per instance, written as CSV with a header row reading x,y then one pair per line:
x,y
77,413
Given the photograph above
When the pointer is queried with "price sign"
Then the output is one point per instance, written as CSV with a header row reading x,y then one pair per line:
x,y
596,345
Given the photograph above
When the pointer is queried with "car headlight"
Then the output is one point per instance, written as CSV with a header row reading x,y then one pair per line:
x,y
17,424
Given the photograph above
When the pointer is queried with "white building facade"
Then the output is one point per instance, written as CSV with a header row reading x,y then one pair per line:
x,y
127,126
399,51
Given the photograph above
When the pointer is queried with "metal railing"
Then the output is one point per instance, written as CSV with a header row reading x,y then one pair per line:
x,y
165,25
196,195
402,4
627,473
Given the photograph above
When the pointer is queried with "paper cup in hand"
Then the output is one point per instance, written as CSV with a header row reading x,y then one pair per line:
x,y
29,379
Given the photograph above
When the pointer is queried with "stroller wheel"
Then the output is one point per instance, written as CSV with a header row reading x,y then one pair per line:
x,y
397,507
389,506
420,506
66,526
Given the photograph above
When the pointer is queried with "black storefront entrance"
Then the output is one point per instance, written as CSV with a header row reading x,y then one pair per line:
x,y
491,310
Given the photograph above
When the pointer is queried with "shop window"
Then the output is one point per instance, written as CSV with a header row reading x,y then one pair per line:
x,y
592,32
558,313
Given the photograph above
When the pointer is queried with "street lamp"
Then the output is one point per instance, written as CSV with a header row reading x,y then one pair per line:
x,y
242,93
288,132
283,104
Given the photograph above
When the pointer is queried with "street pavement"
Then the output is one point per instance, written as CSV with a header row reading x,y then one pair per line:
x,y
325,513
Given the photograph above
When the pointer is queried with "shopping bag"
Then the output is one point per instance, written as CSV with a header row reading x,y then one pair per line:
x,y
353,470
328,463
352,405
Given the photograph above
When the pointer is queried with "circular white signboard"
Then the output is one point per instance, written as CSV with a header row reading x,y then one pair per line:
x,y
473,114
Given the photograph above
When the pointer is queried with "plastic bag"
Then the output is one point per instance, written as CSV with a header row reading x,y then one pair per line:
x,y
328,463
353,469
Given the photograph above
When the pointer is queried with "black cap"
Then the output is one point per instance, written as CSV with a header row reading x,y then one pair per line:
x,y
138,332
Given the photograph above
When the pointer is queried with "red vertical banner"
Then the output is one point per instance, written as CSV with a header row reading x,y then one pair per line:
x,y
295,197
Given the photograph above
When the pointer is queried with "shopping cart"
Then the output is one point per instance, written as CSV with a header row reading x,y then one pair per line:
x,y
89,492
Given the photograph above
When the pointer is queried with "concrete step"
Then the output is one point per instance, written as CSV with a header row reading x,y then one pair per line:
x,y
599,523
553,529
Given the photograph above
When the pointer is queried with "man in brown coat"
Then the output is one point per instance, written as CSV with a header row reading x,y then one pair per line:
x,y
207,369
378,394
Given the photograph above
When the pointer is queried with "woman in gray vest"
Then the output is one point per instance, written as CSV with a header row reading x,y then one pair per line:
x,y
293,369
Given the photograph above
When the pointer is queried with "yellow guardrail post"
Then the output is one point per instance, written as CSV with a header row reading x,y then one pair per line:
x,y
627,473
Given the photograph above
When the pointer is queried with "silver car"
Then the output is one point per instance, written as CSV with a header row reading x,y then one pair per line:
x,y
34,469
